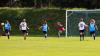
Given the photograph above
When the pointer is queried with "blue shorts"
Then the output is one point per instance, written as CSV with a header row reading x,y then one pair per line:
x,y
92,32
45,32
7,31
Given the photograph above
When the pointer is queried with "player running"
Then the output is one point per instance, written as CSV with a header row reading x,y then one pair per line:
x,y
45,28
7,28
60,29
81,26
24,28
92,28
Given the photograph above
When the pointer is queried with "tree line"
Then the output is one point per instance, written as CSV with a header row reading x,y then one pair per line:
x,y
89,4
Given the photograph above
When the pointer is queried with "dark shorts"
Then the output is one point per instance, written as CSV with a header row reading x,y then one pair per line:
x,y
24,31
92,32
7,31
81,31
45,32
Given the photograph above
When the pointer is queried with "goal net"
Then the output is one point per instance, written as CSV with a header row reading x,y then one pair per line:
x,y
73,17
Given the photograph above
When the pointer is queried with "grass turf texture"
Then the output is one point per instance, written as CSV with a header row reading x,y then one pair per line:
x,y
52,46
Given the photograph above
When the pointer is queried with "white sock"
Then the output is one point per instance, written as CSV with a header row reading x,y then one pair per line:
x,y
46,35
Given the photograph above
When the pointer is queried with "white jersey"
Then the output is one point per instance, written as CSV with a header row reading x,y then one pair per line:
x,y
81,26
23,26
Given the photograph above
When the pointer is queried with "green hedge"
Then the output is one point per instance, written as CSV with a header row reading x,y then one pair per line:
x,y
34,19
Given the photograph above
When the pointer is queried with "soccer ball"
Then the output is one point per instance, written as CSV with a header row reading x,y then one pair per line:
x,y
2,24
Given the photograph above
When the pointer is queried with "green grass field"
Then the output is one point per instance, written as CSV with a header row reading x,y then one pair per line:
x,y
52,46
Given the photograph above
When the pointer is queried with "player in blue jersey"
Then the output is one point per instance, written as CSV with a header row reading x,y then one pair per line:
x,y
45,28
92,28
7,28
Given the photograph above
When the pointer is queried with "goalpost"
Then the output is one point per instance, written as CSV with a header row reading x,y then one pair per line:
x,y
66,20
73,16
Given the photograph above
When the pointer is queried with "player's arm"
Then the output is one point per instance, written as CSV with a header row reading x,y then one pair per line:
x,y
27,27
40,27
64,28
78,24
86,26
48,28
96,27
10,28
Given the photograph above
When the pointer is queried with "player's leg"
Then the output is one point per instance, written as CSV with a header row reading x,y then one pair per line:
x,y
80,34
8,34
45,34
83,35
59,33
25,36
91,34
27,32
94,35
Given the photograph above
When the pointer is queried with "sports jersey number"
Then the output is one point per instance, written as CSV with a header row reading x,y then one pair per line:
x,y
81,25
23,25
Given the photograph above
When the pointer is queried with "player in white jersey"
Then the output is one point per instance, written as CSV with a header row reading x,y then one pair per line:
x,y
24,28
81,26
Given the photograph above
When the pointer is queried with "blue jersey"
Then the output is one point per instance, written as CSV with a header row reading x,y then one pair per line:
x,y
44,27
7,26
92,27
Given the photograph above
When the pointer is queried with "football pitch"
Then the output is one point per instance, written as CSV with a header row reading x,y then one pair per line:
x,y
52,46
